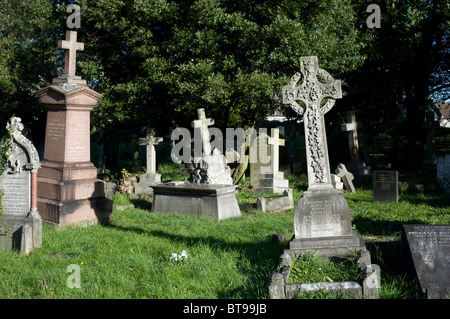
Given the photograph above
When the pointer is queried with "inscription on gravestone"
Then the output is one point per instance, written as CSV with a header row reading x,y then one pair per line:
x,y
16,198
385,186
20,219
428,247
322,220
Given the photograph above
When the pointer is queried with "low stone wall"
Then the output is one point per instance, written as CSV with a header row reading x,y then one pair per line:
x,y
367,288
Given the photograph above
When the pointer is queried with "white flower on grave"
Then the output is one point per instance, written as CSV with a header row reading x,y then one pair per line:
x,y
174,257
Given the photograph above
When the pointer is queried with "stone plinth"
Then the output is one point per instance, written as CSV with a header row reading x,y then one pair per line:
x,y
199,200
323,225
272,182
69,191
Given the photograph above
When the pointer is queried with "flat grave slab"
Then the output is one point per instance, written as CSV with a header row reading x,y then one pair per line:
x,y
428,251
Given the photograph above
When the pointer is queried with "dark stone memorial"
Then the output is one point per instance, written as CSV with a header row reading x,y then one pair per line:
x,y
385,186
428,252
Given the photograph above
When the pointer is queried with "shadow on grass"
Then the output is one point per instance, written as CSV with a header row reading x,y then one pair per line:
x,y
142,204
441,201
263,256
366,225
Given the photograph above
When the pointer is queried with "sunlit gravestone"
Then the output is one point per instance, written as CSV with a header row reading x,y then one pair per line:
x,y
322,219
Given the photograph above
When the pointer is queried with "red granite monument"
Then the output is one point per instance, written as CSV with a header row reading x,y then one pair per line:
x,y
69,191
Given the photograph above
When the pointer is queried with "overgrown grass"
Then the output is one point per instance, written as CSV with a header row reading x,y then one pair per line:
x,y
233,258
129,258
309,269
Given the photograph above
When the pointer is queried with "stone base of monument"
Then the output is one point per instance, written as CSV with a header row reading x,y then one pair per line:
x,y
278,204
76,212
330,246
146,182
274,183
199,200
71,194
21,233
323,225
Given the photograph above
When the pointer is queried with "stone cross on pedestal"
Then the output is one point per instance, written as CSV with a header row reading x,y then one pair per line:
x,y
211,167
70,60
72,46
322,220
311,92
151,177
271,179
202,123
69,191
150,142
352,128
275,141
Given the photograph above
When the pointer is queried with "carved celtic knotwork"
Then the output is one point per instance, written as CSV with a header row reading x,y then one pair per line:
x,y
311,91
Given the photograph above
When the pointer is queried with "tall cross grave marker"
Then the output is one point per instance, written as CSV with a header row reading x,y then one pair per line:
x,y
322,218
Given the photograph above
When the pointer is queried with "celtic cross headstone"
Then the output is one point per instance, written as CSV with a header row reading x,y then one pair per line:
x,y
311,92
322,219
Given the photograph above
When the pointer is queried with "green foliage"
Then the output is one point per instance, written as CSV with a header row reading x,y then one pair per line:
x,y
160,60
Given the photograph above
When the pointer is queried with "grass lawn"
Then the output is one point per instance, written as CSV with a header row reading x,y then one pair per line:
x,y
233,258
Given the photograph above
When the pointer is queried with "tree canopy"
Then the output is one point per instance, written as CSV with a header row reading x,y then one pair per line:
x,y
157,61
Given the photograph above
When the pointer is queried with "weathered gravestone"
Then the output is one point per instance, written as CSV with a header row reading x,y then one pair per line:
x,y
430,125
212,193
150,177
271,179
356,166
259,157
20,223
443,171
385,186
211,167
346,176
336,182
428,251
322,218
69,191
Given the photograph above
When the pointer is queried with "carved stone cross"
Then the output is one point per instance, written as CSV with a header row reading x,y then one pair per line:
x,y
311,92
72,46
275,142
352,128
150,141
346,176
202,123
